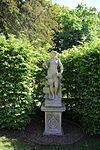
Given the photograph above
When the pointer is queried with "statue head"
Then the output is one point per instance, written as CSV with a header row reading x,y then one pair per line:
x,y
53,53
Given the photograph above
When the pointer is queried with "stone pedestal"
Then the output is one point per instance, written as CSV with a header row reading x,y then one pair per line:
x,y
53,103
53,106
53,118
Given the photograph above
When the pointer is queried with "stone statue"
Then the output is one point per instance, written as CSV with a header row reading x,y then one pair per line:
x,y
52,87
53,106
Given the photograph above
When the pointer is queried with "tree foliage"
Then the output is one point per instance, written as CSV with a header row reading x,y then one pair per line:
x,y
80,24
42,21
33,18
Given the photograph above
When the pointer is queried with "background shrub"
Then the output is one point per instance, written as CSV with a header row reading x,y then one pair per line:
x,y
15,82
81,80
22,77
39,73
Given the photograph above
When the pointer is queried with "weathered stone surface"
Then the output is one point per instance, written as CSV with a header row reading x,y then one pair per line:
x,y
53,106
52,87
53,117
53,109
53,103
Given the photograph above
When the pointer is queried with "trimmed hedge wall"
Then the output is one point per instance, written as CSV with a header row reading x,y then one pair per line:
x,y
39,74
15,82
22,78
82,81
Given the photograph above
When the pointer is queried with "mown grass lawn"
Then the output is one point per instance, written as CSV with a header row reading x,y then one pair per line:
x,y
90,143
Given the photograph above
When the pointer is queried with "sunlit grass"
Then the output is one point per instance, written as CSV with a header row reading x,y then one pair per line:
x,y
12,144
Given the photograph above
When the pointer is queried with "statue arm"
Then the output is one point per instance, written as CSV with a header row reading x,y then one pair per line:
x,y
61,67
46,63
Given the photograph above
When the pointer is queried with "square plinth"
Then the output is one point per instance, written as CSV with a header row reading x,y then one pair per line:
x,y
53,117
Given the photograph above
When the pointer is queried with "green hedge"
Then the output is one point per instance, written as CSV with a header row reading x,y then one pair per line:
x,y
15,82
81,80
22,78
39,74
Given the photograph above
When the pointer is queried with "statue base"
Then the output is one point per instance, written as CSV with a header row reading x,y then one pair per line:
x,y
53,102
53,119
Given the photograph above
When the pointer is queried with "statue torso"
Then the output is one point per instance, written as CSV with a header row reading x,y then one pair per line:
x,y
52,66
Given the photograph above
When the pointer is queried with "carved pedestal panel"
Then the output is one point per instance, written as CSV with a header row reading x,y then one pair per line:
x,y
53,117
